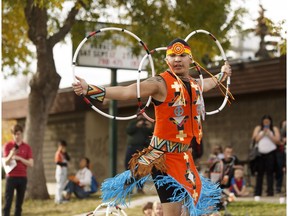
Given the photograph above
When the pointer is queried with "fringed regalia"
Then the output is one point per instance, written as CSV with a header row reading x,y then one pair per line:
x,y
177,123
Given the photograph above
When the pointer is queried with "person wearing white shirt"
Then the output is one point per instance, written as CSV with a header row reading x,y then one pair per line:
x,y
267,136
80,184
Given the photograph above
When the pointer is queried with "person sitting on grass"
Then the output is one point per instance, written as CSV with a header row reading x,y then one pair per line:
x,y
238,185
148,209
157,209
80,184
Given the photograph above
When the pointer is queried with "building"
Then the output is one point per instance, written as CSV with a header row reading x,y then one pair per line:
x,y
259,88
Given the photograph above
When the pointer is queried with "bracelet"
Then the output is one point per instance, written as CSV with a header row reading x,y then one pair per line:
x,y
96,92
219,77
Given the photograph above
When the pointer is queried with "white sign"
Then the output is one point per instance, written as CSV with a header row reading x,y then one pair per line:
x,y
97,52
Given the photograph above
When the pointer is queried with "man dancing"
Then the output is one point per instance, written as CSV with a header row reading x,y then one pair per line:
x,y
178,108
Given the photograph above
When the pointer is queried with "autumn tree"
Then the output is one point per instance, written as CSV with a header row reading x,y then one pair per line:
x,y
160,21
39,22
266,27
31,28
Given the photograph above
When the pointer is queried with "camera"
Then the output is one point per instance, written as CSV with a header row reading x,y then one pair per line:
x,y
16,146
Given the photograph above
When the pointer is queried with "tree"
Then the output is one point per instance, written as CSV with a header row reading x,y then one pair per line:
x,y
41,22
266,27
44,31
165,20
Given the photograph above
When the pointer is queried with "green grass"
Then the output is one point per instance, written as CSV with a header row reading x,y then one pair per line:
x,y
76,206
252,208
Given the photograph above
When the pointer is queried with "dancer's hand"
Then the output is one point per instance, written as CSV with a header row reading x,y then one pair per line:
x,y
226,69
80,87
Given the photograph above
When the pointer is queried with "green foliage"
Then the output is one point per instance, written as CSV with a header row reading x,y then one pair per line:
x,y
277,30
158,22
17,50
15,43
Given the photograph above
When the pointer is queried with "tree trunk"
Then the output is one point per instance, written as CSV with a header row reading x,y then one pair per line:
x,y
44,86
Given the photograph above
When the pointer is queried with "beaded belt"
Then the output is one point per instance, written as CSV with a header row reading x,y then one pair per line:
x,y
158,147
167,146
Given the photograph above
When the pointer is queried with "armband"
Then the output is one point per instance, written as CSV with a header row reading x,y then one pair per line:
x,y
96,92
219,78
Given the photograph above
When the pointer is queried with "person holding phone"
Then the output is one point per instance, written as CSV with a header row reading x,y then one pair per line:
x,y
267,136
16,179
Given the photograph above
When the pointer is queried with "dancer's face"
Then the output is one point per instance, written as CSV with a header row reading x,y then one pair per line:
x,y
180,63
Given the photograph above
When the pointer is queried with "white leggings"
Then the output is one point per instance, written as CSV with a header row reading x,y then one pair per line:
x,y
61,178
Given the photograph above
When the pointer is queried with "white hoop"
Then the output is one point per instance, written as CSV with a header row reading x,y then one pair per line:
x,y
138,84
74,65
110,210
224,58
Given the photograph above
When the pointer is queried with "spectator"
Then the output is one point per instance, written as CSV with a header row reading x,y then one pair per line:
x,y
157,209
20,153
230,162
148,209
139,132
238,184
61,159
80,184
281,157
196,150
217,154
267,136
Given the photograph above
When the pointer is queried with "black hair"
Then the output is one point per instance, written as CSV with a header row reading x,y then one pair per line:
x,y
87,162
62,143
180,41
271,122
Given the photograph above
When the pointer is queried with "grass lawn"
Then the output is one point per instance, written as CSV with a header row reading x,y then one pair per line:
x,y
76,206
245,208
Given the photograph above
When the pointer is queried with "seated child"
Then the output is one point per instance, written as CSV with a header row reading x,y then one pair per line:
x,y
238,184
157,209
148,209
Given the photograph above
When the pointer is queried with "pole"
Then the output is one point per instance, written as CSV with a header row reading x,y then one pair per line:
x,y
113,128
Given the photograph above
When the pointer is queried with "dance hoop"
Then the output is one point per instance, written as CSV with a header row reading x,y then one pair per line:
x,y
142,111
228,82
110,210
74,65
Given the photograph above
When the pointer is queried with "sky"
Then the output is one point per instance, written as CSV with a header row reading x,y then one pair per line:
x,y
276,10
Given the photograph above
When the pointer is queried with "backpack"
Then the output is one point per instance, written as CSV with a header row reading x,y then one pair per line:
x,y
94,185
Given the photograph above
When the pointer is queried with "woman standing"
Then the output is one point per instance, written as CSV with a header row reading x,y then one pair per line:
x,y
267,136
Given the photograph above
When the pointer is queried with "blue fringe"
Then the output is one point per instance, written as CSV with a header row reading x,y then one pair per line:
x,y
119,188
209,197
